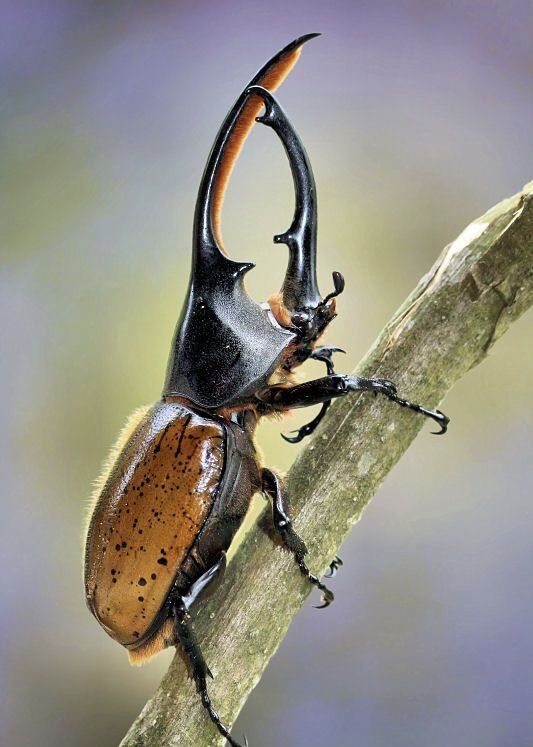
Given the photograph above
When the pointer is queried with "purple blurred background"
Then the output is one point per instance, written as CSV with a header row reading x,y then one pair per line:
x,y
417,117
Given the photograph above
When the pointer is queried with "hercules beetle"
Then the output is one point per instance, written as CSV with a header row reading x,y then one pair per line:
x,y
178,484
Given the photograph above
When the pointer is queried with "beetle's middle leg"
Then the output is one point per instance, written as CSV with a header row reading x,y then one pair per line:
x,y
273,487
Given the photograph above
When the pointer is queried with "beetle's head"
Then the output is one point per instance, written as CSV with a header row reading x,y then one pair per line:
x,y
309,322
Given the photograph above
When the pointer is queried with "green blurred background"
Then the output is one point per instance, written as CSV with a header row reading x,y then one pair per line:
x,y
417,117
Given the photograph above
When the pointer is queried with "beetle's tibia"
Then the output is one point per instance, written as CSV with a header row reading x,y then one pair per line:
x,y
186,639
273,487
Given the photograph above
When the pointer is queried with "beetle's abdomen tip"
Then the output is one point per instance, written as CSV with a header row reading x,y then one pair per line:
x,y
162,639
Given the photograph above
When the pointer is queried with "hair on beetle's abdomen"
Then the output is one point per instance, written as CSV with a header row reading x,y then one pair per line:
x,y
159,493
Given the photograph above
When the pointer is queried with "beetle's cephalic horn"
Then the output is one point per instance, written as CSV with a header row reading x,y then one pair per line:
x,y
227,146
300,289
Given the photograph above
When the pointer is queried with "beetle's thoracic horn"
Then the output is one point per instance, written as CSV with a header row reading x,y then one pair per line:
x,y
228,144
300,290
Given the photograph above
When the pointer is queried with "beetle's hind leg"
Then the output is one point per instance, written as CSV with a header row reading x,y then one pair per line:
x,y
273,487
187,641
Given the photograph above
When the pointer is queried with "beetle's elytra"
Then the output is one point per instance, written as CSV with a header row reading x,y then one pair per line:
x,y
180,479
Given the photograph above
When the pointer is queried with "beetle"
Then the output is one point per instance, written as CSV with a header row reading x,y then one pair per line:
x,y
178,483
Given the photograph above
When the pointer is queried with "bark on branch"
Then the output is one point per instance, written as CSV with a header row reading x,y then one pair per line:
x,y
480,284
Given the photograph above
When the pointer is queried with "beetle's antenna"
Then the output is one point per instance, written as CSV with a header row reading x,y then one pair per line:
x,y
228,144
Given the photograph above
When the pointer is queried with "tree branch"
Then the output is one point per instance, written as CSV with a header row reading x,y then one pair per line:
x,y
480,284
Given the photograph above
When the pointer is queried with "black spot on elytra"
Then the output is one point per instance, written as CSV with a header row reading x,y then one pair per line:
x,y
114,580
142,581
117,547
124,544
113,571
141,599
153,576
162,561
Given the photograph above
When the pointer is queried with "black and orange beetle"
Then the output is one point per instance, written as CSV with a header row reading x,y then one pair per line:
x,y
179,482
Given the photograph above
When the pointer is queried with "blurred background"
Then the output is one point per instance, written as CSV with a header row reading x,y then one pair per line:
x,y
417,117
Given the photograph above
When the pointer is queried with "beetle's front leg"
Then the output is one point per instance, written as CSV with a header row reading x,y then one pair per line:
x,y
273,487
322,353
320,390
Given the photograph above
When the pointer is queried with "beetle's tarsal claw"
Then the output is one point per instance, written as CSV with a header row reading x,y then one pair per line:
x,y
327,598
324,353
293,439
334,566
443,420
439,417
308,428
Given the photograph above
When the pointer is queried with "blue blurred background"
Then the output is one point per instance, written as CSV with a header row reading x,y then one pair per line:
x,y
417,117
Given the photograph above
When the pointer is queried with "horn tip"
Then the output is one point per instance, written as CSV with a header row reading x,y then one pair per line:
x,y
307,37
